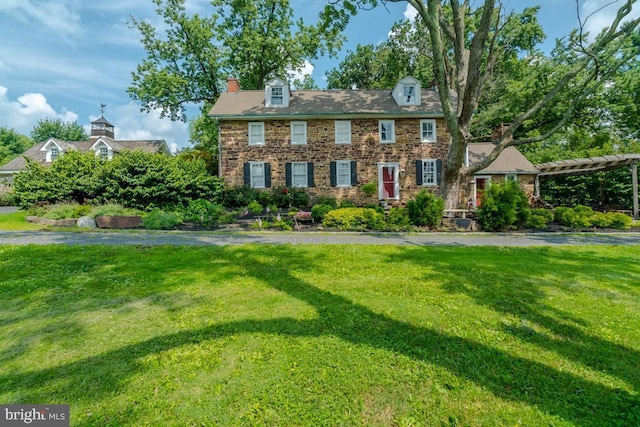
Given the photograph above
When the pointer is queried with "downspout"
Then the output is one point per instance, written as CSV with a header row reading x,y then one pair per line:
x,y
219,149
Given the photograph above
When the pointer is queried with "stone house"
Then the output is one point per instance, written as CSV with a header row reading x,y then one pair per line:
x,y
333,142
102,142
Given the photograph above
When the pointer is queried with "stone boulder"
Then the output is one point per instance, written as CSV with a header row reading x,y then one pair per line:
x,y
86,222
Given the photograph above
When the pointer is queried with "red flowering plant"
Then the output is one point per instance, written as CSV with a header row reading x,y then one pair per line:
x,y
303,215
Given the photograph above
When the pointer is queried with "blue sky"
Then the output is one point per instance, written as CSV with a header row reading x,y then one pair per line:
x,y
63,58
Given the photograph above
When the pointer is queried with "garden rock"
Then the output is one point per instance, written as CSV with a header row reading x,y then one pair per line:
x,y
86,222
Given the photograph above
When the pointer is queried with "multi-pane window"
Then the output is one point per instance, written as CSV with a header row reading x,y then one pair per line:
x,y
298,133
429,172
343,173
277,97
55,153
257,175
104,153
409,93
343,131
387,131
299,174
256,133
428,130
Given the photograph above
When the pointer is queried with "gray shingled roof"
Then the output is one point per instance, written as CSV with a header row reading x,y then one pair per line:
x,y
509,161
35,153
248,104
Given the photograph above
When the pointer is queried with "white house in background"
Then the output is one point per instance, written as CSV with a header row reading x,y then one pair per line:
x,y
102,142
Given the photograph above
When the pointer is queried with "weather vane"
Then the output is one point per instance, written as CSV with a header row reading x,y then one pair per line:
x,y
102,108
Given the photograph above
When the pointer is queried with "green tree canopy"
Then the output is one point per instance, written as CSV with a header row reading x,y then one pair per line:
x,y
12,144
57,128
190,60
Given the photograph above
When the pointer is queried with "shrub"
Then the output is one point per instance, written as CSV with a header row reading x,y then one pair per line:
x,y
546,213
504,206
161,220
300,198
369,189
354,219
621,221
537,221
601,220
398,219
203,212
375,207
425,210
111,209
281,197
7,199
580,218
318,212
346,203
238,197
326,200
264,198
255,207
66,210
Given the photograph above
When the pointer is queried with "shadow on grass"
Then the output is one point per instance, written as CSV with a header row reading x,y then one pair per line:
x,y
573,398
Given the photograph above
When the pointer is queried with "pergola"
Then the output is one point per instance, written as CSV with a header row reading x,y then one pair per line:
x,y
592,164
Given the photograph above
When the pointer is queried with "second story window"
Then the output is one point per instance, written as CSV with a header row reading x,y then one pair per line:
x,y
298,133
54,153
104,153
387,131
428,130
256,133
343,131
409,93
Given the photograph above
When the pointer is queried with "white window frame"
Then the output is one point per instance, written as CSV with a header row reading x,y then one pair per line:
x,y
342,131
396,180
256,138
255,180
54,153
432,132
298,133
277,96
296,176
388,139
429,172
511,177
343,179
409,98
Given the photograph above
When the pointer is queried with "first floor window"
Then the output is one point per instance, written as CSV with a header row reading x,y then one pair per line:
x,y
343,173
256,133
257,174
428,171
299,174
387,131
511,177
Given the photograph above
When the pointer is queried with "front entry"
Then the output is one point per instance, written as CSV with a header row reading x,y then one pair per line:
x,y
482,182
388,181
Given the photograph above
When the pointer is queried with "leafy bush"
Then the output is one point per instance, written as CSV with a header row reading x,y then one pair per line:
x,y
161,220
537,221
346,203
580,218
255,207
318,212
398,219
620,221
66,210
281,197
369,189
238,197
264,198
546,213
111,209
204,212
7,199
601,219
354,219
425,210
504,206
300,198
326,200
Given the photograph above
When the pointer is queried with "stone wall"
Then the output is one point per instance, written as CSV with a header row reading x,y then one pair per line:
x,y
321,149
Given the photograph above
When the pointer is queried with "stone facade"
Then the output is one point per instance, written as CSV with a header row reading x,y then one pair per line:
x,y
321,149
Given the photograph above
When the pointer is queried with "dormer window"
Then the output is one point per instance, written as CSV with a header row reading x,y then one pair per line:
x,y
54,153
103,153
276,93
407,92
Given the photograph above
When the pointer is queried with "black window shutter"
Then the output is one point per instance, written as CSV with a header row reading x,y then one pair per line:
x,y
354,173
333,174
310,182
267,175
419,172
438,170
287,174
247,173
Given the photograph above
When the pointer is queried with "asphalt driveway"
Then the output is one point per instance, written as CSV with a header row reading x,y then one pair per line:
x,y
222,238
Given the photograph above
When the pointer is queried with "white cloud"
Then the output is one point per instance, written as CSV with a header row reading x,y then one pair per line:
x,y
305,70
23,114
410,13
60,16
600,14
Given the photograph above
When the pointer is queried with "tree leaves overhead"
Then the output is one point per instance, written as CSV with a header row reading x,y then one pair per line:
x,y
189,62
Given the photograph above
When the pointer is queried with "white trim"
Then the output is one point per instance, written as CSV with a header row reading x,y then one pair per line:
x,y
293,174
252,182
389,139
396,181
282,97
298,136
343,137
434,163
256,138
407,92
346,183
432,122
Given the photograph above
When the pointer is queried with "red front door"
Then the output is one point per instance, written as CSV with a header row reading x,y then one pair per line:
x,y
481,185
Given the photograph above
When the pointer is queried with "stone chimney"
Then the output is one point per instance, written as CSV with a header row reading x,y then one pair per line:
x,y
233,85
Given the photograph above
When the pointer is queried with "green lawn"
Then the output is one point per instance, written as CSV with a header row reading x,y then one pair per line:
x,y
323,335
17,221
